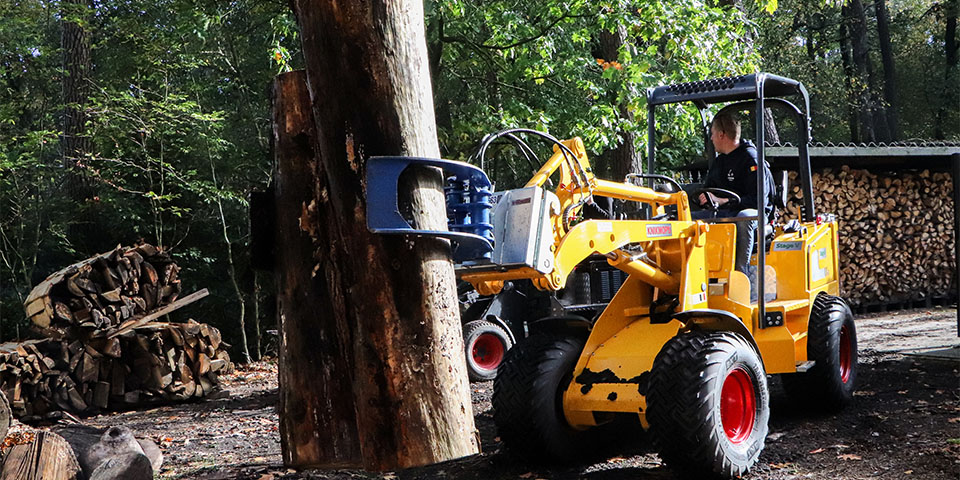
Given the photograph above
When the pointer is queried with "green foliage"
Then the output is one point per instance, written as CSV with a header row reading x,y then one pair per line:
x,y
178,121
178,114
802,40
510,64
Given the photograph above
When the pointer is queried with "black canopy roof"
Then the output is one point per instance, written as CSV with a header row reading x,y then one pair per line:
x,y
726,89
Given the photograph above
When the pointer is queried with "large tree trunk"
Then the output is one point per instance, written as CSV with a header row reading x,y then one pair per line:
x,y
624,158
950,72
77,65
315,371
889,71
848,76
393,298
862,69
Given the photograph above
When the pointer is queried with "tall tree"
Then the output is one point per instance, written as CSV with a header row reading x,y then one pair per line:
x,y
849,77
950,74
863,70
624,158
77,66
889,70
393,298
75,145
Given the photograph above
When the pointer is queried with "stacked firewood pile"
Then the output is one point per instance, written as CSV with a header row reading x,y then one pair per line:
x,y
104,348
896,232
104,291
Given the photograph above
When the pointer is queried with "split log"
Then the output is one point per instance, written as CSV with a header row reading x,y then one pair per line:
x,y
6,415
47,457
95,446
105,290
144,365
129,466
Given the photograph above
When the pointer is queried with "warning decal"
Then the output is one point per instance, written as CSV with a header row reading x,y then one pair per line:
x,y
660,230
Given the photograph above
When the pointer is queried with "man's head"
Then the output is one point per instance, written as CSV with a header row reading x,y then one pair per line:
x,y
725,132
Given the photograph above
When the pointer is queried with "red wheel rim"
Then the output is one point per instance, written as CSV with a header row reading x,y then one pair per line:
x,y
738,405
488,351
845,354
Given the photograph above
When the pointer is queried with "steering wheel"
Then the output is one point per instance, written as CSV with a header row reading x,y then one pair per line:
x,y
732,197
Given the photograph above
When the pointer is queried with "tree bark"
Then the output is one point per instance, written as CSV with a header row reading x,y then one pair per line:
x,y
862,68
849,73
394,299
624,158
77,65
318,423
889,70
47,457
950,71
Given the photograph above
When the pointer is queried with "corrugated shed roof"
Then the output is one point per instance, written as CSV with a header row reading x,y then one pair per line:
x,y
905,143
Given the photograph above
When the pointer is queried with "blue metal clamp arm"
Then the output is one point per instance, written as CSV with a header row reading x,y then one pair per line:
x,y
467,199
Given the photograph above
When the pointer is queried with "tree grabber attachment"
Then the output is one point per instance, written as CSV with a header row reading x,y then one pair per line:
x,y
467,194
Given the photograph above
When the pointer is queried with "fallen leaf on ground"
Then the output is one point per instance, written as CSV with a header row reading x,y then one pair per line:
x,y
266,476
954,420
849,456
819,450
527,475
908,472
778,466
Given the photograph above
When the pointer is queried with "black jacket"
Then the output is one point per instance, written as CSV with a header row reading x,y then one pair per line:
x,y
737,171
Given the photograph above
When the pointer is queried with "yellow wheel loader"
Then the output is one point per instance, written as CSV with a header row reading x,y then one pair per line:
x,y
681,346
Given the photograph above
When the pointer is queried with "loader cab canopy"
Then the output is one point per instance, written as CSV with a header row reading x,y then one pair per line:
x,y
754,92
726,90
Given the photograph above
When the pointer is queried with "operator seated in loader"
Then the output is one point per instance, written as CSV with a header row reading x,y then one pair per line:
x,y
735,169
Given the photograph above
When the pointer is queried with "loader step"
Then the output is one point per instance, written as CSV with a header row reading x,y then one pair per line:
x,y
787,305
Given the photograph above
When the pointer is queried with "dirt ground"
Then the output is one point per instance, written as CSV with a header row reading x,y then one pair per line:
x,y
903,424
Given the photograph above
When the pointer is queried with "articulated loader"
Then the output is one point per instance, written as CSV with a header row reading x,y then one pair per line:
x,y
682,346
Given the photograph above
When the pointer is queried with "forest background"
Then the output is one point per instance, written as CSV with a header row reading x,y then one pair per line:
x,y
129,120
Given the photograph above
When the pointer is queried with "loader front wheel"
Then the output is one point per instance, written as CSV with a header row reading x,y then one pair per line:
x,y
832,345
708,404
527,399
486,345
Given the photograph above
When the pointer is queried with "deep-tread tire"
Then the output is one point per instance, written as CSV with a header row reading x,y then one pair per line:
x,y
527,400
684,404
832,343
485,344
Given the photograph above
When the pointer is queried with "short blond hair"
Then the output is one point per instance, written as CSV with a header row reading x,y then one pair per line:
x,y
728,123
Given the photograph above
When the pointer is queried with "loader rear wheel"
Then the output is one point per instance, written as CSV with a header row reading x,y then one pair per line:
x,y
527,399
708,404
486,344
832,345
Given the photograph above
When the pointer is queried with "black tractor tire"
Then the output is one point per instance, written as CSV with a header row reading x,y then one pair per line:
x,y
708,404
485,344
528,400
832,343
